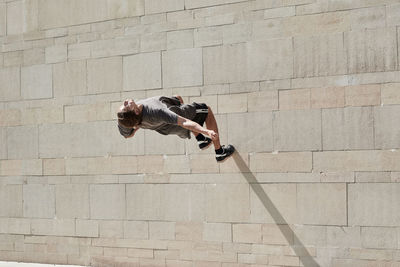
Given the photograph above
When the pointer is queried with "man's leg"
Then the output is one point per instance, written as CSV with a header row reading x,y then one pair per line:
x,y
211,124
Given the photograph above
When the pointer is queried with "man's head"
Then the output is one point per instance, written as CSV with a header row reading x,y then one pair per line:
x,y
129,114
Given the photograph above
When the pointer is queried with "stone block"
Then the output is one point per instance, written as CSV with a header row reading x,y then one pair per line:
x,y
368,18
297,130
116,46
203,163
15,18
107,202
55,54
72,201
235,210
379,237
372,160
136,230
373,204
3,143
319,55
111,229
79,51
309,235
277,234
167,202
386,124
14,58
217,232
84,113
281,162
34,56
11,201
251,132
392,14
373,177
87,228
343,236
327,97
390,93
142,71
262,101
209,36
160,6
22,142
348,128
36,82
322,204
162,230
273,203
104,75
294,99
84,166
182,67
279,12
70,78
3,19
124,165
53,227
180,39
150,164
39,201
10,87
232,103
378,55
153,42
176,164
60,13
47,114
21,167
190,231
247,233
365,95
53,167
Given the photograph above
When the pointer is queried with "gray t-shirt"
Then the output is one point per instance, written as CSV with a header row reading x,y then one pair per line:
x,y
156,115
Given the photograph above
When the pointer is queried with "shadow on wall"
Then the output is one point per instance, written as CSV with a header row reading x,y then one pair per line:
x,y
297,246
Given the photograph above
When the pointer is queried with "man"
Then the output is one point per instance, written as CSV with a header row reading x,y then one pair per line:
x,y
169,115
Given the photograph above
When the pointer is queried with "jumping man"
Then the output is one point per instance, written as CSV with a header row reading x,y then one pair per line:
x,y
169,115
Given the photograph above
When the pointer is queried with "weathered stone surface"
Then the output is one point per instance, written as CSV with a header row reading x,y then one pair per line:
x,y
297,130
343,236
10,87
379,55
329,97
61,13
142,71
368,160
379,237
255,134
104,75
348,128
281,162
11,201
182,67
390,93
373,204
158,6
36,82
180,39
365,95
322,204
72,201
15,17
70,78
39,201
247,62
294,99
217,232
162,230
387,128
24,140
107,202
3,22
319,55
3,143
56,54
236,210
165,200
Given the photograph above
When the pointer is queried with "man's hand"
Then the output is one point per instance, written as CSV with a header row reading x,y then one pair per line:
x,y
213,135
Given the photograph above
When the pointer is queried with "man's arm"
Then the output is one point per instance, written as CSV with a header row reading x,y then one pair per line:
x,y
195,127
180,98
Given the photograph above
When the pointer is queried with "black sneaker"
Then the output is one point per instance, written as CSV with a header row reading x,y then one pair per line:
x,y
226,153
203,144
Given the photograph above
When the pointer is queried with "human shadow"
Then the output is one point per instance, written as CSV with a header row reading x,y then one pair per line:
x,y
291,238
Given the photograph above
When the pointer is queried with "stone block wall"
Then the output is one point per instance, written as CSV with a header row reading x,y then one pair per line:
x,y
307,90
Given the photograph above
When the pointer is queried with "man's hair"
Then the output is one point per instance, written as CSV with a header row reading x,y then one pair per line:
x,y
129,119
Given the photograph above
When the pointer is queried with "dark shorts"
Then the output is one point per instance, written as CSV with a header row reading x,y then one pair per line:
x,y
201,113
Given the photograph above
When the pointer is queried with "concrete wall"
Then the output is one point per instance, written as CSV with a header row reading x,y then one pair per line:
x,y
307,90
